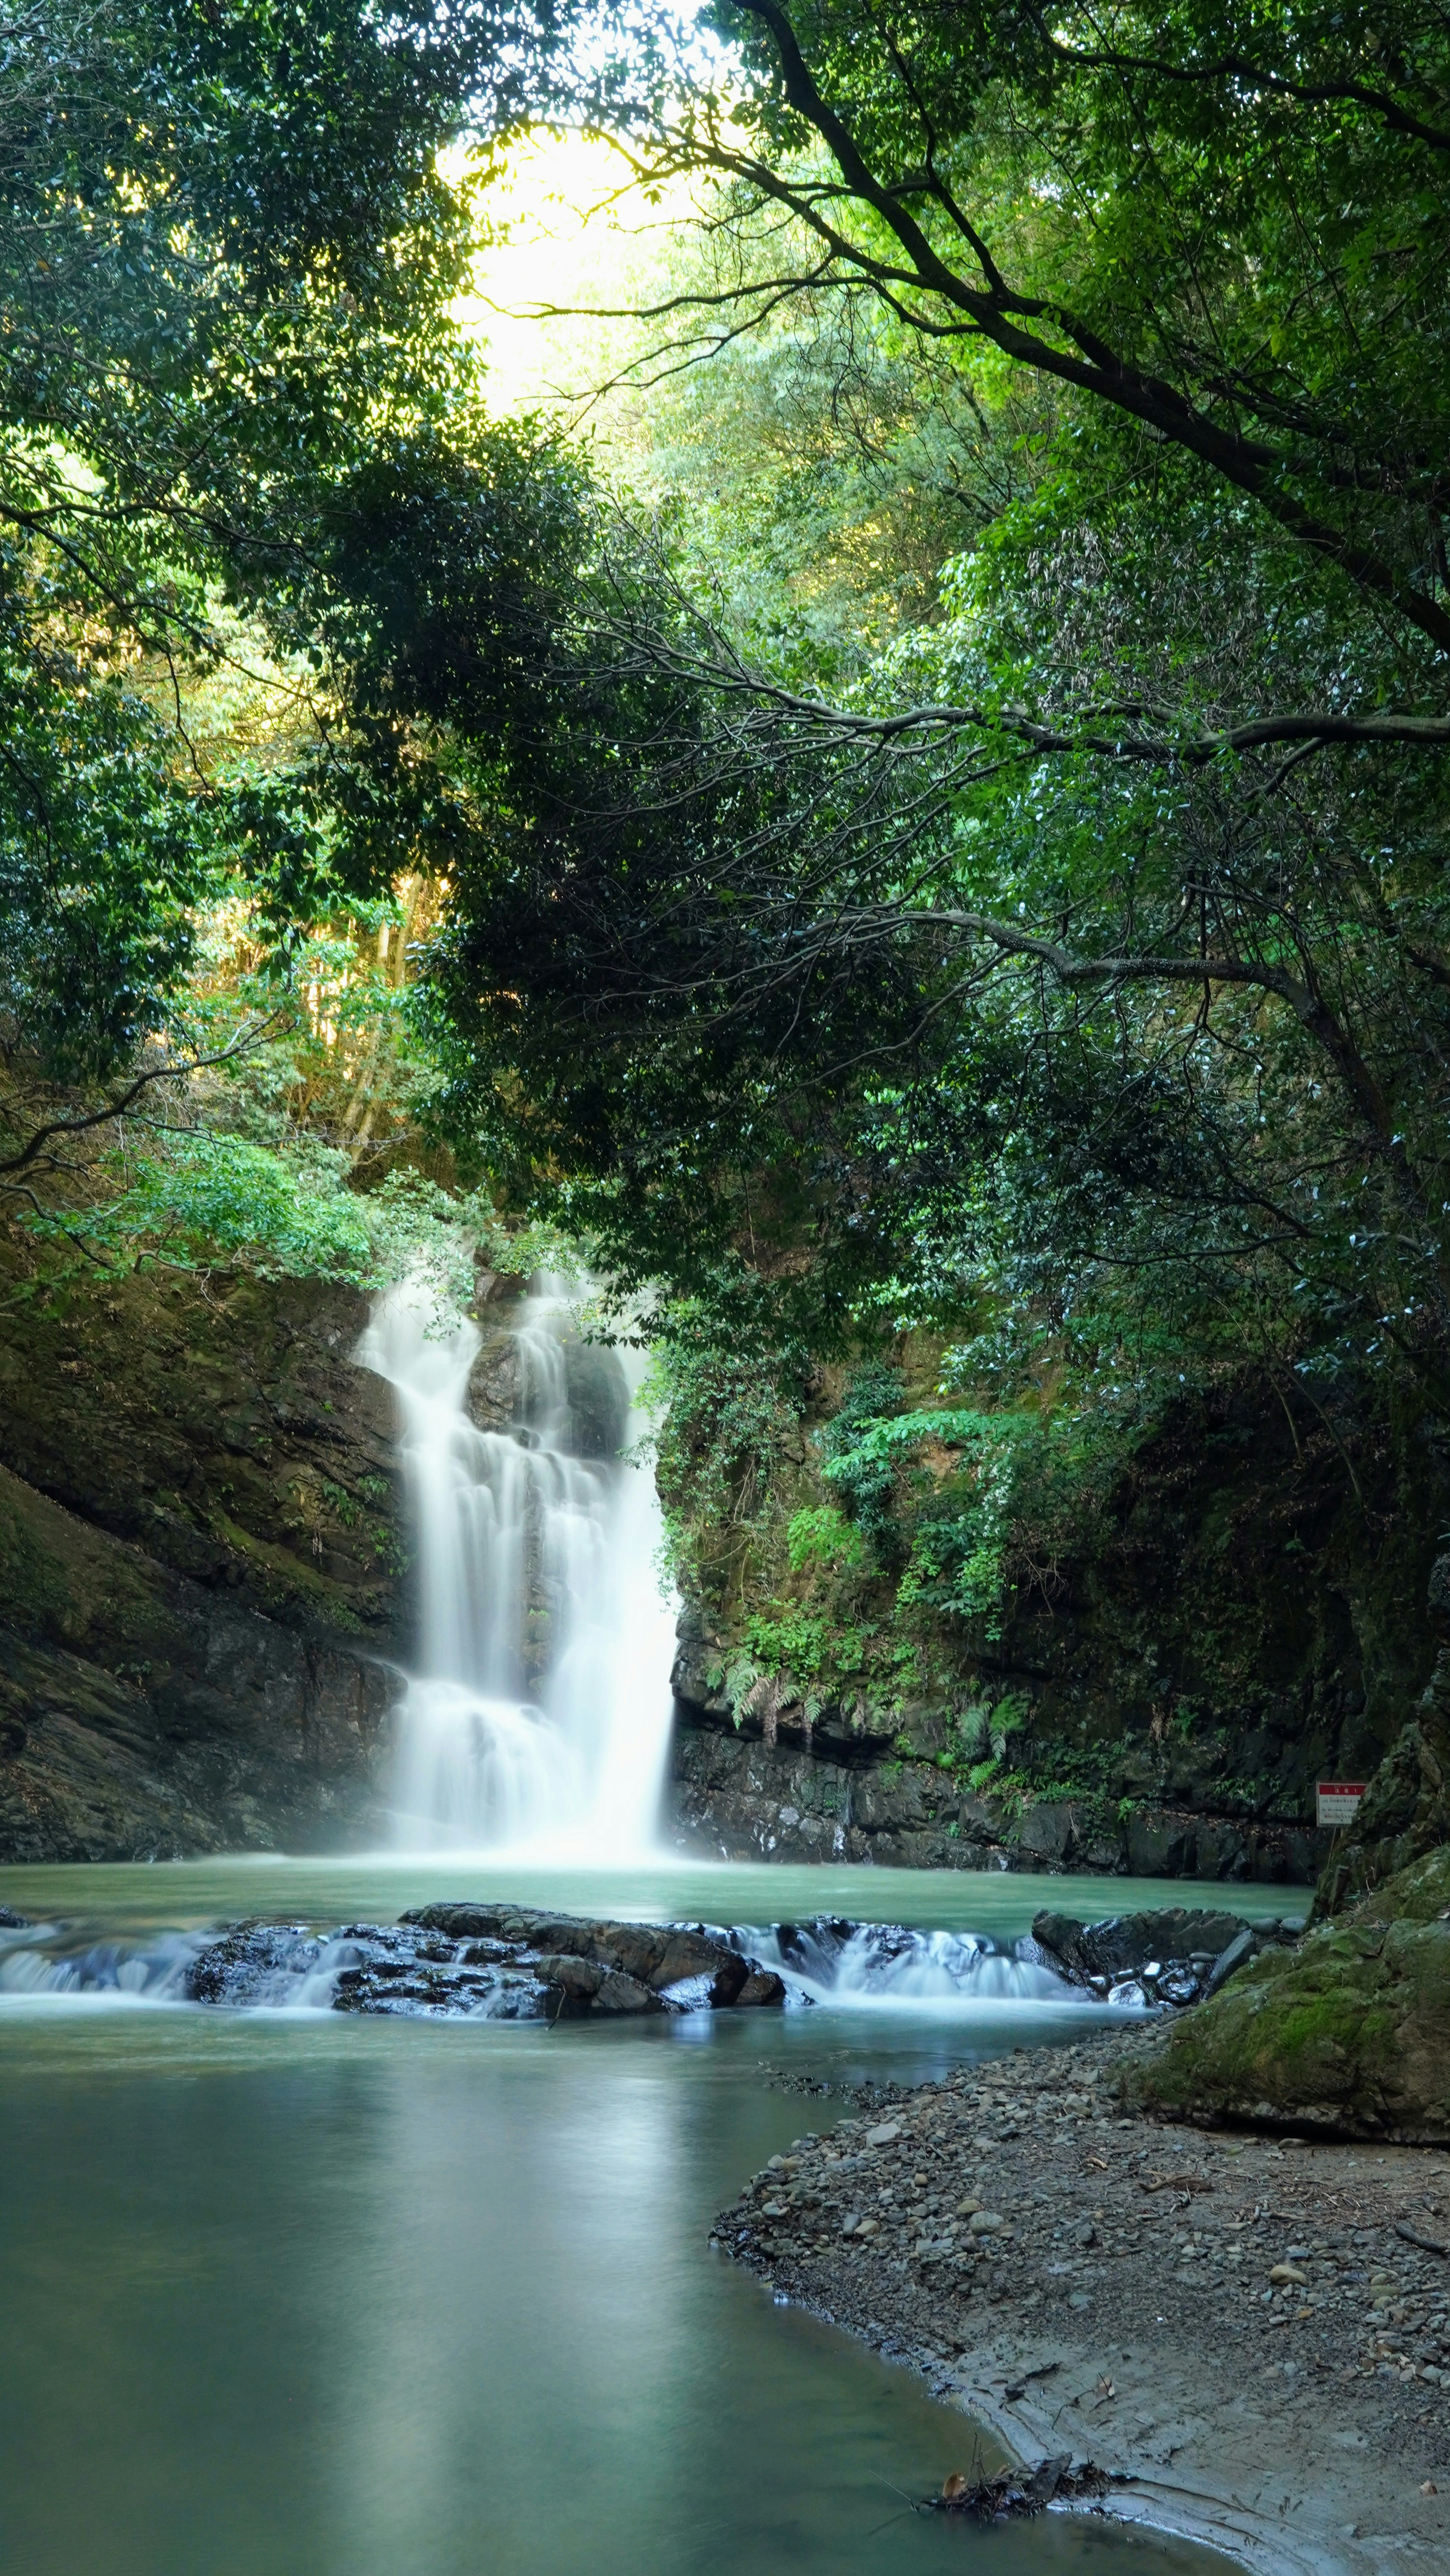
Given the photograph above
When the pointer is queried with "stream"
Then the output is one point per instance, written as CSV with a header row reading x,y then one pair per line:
x,y
291,2293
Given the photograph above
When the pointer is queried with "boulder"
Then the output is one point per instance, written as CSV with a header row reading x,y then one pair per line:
x,y
1170,1955
1348,2034
1125,1944
1406,1809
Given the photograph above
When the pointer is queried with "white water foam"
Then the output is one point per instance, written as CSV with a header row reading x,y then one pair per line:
x,y
831,1961
510,1526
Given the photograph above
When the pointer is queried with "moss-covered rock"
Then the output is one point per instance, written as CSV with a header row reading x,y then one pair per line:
x,y
1349,2033
143,1716
1240,1613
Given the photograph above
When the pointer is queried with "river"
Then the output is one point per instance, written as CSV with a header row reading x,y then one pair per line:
x,y
289,2293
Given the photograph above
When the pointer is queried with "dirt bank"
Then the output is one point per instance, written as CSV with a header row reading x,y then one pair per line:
x,y
1248,2326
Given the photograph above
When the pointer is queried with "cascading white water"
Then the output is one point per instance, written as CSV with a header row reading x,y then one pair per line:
x,y
514,1533
832,1961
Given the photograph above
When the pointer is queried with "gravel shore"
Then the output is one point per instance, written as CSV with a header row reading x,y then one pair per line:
x,y
1247,2327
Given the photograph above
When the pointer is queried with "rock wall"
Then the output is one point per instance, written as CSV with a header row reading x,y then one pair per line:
x,y
200,1563
1248,1616
841,1793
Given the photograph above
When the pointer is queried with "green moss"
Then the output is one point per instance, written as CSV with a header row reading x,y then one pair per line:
x,y
1351,2032
288,1579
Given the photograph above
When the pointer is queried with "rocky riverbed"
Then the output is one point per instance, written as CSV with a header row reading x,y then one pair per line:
x,y
1255,2329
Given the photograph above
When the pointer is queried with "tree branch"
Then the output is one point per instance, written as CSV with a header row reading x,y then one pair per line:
x,y
1251,465
117,1108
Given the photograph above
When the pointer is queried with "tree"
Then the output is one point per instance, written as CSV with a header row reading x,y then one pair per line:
x,y
1089,952
1224,229
230,246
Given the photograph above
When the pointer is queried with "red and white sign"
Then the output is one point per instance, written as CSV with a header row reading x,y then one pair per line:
x,y
1339,1801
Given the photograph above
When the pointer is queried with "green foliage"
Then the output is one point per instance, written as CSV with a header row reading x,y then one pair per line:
x,y
232,243
227,258
725,1423
212,1200
1076,1011
821,1536
857,1447
795,1643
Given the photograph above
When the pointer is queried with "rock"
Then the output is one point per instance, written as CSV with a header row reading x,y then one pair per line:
x,y
491,1962
1405,1813
675,1967
1406,1808
1126,1943
621,1994
574,1986
144,1715
985,2222
1175,1956
598,1393
885,2134
10,1921
199,1561
762,1986
1350,2033
1241,1949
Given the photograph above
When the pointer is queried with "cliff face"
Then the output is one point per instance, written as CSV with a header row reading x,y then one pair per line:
x,y
203,1604
200,1562
1240,1620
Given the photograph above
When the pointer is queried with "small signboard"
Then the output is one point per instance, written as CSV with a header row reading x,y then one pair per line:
x,y
1339,1801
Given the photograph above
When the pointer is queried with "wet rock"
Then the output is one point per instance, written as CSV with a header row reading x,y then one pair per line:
x,y
495,1963
10,1921
598,1398
793,1783
1173,1955
674,1967
762,1986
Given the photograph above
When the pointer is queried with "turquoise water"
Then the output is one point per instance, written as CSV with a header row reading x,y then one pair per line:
x,y
148,1895
304,2295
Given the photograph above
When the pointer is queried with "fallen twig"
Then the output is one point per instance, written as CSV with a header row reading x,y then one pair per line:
x,y
1012,2495
1412,2236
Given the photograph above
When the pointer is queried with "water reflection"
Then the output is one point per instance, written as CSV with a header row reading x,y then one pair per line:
x,y
325,2299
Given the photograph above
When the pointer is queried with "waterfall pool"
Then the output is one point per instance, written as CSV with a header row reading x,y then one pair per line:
x,y
293,2294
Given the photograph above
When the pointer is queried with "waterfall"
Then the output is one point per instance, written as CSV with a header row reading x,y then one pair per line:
x,y
537,1721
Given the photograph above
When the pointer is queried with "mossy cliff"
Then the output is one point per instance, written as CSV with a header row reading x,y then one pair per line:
x,y
200,1556
1186,1633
